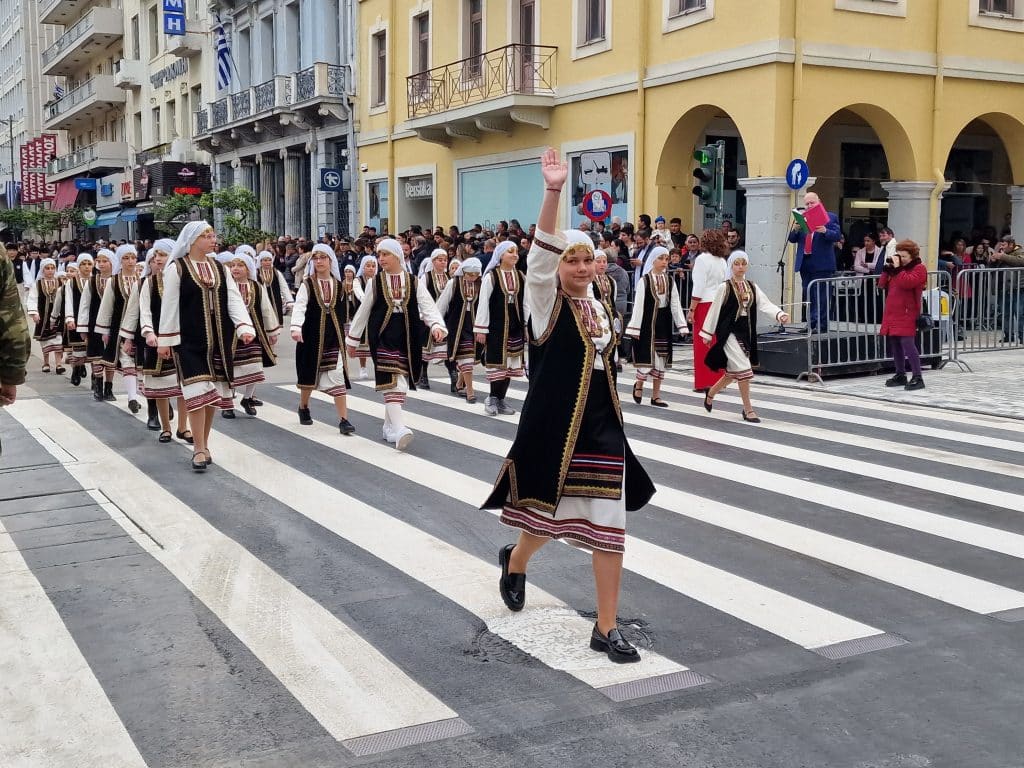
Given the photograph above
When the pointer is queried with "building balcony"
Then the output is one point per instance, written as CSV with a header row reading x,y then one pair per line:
x,y
83,104
83,41
303,99
129,74
184,46
108,156
65,12
489,93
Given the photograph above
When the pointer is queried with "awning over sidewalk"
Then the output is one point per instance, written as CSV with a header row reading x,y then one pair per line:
x,y
130,214
106,218
66,195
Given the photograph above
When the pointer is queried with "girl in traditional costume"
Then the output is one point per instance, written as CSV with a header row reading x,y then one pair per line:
x,y
73,290
732,322
139,329
276,285
108,323
570,473
500,325
318,330
434,275
104,271
202,312
656,309
393,313
457,305
368,269
41,297
250,360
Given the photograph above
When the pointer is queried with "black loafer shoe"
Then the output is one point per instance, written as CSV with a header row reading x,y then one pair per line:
x,y
255,402
512,586
153,424
304,418
133,406
345,427
228,414
248,406
619,650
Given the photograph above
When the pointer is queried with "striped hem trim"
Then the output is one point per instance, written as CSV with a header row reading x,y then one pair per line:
x,y
746,375
335,391
252,378
577,530
207,399
160,394
395,397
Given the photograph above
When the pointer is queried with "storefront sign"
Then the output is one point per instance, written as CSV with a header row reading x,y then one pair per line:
x,y
171,72
174,17
418,189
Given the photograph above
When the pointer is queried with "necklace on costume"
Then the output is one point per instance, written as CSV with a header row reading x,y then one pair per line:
x,y
742,289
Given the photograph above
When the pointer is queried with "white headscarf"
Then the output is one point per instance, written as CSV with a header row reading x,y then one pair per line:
x,y
576,238
734,257
226,257
115,260
186,239
264,255
501,250
472,264
84,257
363,262
246,248
392,246
43,263
126,248
656,251
452,263
350,268
165,246
324,248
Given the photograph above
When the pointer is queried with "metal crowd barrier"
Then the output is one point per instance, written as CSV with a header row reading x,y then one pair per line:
x,y
854,306
989,309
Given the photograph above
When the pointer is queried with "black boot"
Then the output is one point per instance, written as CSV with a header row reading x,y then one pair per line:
x,y
899,380
97,388
424,381
76,376
304,417
248,406
153,422
108,391
454,376
916,382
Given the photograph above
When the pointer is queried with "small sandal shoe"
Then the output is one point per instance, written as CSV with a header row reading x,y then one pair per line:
x,y
165,437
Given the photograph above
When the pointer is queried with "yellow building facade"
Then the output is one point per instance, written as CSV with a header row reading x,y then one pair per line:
x,y
907,112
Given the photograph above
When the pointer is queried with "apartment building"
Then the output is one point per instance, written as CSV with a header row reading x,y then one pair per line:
x,y
909,113
280,116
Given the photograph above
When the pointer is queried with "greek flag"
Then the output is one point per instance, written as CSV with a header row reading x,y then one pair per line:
x,y
58,91
224,63
12,192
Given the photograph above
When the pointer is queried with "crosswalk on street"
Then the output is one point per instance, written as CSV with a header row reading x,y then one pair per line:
x,y
326,597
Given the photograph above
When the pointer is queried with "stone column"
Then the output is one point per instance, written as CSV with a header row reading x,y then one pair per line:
x,y
909,215
267,199
293,224
1017,212
769,202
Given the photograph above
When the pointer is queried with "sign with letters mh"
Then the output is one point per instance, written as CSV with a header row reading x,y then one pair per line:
x,y
174,17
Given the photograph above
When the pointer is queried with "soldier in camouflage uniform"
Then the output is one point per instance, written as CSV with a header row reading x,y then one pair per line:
x,y
15,343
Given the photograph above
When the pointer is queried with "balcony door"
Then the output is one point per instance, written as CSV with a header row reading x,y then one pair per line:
x,y
523,54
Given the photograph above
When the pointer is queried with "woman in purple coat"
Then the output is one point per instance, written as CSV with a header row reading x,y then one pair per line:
x,y
903,279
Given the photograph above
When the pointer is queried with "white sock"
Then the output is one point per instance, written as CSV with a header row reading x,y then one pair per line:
x,y
249,391
393,416
131,386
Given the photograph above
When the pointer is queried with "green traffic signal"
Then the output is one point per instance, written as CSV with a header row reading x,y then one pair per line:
x,y
710,174
702,156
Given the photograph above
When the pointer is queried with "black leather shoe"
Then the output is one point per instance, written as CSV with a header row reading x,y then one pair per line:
x,y
618,648
345,427
916,382
108,392
133,406
512,586
248,406
153,416
228,414
899,380
76,377
255,402
97,389
304,418
423,382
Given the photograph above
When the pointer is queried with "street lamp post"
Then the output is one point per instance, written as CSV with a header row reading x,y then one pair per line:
x,y
14,183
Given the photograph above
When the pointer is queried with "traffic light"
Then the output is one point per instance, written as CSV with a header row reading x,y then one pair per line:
x,y
710,175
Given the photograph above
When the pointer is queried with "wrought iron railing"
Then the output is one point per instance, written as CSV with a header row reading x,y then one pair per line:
x,y
220,112
511,70
335,80
202,122
305,84
265,96
241,105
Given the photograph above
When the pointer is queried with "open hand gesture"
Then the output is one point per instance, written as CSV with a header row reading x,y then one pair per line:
x,y
554,169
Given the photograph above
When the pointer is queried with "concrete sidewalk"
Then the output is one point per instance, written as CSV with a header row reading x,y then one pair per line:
x,y
987,384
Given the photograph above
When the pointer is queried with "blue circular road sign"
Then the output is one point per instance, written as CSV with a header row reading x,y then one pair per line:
x,y
797,174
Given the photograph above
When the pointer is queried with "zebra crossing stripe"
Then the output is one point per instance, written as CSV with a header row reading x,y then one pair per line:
x,y
802,623
954,529
889,424
342,680
45,680
925,579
